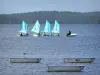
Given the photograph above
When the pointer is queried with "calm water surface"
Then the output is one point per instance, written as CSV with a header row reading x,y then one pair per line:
x,y
51,49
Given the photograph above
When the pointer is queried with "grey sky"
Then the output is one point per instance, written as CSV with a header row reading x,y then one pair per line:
x,y
14,6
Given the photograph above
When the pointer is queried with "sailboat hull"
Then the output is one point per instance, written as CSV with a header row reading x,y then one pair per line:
x,y
65,68
46,34
55,34
23,34
36,34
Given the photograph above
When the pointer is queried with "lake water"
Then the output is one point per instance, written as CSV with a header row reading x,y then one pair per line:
x,y
51,49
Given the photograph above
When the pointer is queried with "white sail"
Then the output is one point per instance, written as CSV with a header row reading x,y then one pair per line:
x,y
36,27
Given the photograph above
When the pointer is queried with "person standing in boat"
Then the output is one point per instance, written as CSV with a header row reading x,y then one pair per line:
x,y
69,33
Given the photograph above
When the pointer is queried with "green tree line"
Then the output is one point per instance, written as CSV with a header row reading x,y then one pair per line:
x,y
63,17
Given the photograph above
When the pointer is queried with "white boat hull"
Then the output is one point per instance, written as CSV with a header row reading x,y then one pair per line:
x,y
25,60
79,60
65,68
72,35
35,35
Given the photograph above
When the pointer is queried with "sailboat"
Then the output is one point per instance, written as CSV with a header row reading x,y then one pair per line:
x,y
46,31
36,29
23,28
56,29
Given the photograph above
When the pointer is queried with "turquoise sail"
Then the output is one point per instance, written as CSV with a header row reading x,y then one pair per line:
x,y
36,27
56,28
47,27
24,27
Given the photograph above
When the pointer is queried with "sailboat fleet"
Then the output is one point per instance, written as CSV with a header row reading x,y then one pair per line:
x,y
36,29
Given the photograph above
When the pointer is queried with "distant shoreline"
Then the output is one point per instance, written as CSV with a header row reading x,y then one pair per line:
x,y
63,17
48,11
52,24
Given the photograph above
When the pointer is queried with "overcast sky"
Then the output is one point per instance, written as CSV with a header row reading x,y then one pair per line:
x,y
15,6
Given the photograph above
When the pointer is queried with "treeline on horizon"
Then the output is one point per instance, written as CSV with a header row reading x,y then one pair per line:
x,y
63,17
